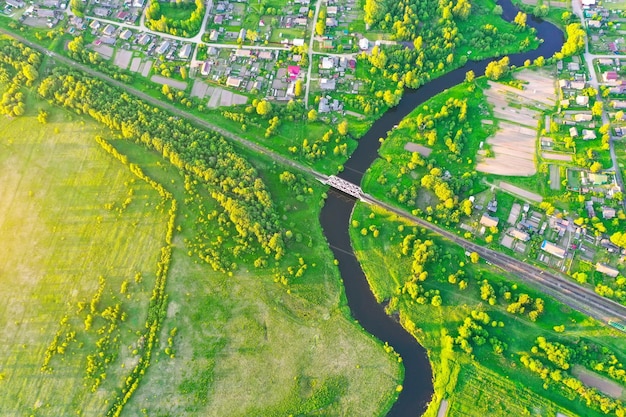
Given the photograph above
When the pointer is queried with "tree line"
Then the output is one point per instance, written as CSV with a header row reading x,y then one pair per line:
x,y
229,178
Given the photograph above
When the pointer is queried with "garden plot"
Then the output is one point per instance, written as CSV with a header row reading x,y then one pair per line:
x,y
221,98
199,89
122,58
179,85
555,177
513,147
105,51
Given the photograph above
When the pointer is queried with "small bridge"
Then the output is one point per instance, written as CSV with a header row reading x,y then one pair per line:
x,y
345,186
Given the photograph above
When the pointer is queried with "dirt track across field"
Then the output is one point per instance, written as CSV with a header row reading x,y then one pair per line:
x,y
513,189
606,386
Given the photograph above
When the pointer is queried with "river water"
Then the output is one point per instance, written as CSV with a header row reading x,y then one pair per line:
x,y
335,219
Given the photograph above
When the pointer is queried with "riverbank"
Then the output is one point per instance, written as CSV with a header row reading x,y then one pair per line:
x,y
486,381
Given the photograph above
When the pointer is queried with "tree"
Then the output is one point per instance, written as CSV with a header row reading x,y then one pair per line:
x,y
619,115
469,76
474,257
342,128
42,117
373,10
596,109
312,115
595,167
183,72
263,108
436,301
497,69
297,89
497,10
520,19
541,10
320,27
78,7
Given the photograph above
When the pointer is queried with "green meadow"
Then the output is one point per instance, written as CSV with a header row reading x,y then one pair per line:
x,y
79,269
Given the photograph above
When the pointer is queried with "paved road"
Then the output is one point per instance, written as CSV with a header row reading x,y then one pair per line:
x,y
561,288
308,77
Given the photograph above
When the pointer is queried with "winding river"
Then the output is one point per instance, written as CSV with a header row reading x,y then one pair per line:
x,y
336,213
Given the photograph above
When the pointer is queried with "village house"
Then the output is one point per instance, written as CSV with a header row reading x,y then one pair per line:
x,y
607,270
18,4
610,77
582,100
108,30
185,51
327,63
519,234
573,132
608,212
553,249
214,35
242,53
328,84
619,104
101,12
163,47
594,24
233,82
126,34
95,25
206,68
144,39
582,117
589,134
489,221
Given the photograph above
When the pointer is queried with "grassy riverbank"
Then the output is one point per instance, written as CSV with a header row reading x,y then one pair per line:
x,y
483,382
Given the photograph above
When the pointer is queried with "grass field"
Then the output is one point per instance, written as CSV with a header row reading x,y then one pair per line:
x,y
249,346
236,345
57,184
484,384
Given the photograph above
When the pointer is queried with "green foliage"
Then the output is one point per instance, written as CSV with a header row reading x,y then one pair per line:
x,y
497,69
157,20
228,177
